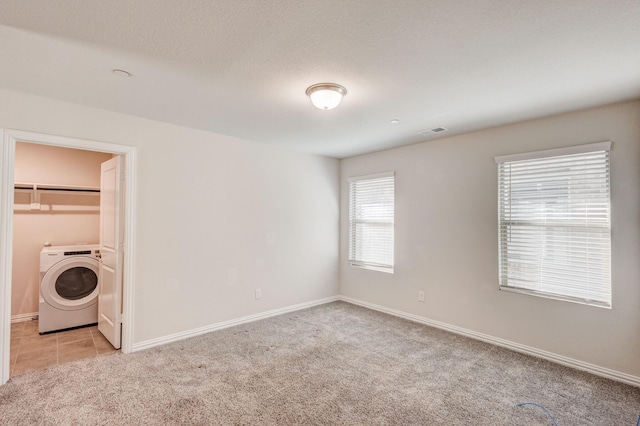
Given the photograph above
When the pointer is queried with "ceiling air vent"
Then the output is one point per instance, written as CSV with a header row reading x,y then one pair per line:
x,y
432,131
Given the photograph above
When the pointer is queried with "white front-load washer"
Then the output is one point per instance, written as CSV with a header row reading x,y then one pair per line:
x,y
68,287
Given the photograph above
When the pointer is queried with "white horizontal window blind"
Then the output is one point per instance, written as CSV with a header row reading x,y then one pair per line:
x,y
371,222
554,224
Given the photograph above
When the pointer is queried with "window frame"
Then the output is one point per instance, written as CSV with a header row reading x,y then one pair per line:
x,y
353,248
603,229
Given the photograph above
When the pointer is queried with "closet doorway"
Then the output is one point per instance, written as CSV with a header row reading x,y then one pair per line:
x,y
8,163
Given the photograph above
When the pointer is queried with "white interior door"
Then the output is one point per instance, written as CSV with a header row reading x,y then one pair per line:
x,y
111,249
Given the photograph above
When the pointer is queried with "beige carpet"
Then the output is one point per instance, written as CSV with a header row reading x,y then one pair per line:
x,y
335,364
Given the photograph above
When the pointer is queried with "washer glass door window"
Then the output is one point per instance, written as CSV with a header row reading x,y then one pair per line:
x,y
76,283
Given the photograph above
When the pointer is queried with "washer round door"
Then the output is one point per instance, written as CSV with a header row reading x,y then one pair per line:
x,y
71,284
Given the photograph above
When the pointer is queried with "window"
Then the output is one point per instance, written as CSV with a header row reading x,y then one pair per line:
x,y
554,223
371,205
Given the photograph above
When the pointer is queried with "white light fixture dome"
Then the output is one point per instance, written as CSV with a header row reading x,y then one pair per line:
x,y
326,95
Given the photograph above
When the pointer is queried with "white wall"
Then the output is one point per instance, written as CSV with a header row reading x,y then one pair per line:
x,y
446,238
61,220
217,217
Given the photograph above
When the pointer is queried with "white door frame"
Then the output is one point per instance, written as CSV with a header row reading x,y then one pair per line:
x,y
8,138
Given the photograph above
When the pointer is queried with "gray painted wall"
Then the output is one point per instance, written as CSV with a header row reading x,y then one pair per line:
x,y
217,217
446,238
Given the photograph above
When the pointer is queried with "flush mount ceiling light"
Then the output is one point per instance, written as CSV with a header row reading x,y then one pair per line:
x,y
326,95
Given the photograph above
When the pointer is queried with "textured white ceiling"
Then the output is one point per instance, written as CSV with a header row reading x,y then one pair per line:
x,y
241,67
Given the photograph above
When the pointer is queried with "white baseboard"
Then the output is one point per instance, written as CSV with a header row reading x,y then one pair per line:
x,y
23,317
226,324
528,350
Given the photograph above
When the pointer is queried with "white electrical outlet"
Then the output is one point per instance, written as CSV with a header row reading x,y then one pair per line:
x,y
421,296
258,293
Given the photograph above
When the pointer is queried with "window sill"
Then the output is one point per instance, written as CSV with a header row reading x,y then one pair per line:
x,y
555,297
372,267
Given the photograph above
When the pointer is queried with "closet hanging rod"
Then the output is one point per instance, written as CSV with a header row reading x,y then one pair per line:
x,y
62,188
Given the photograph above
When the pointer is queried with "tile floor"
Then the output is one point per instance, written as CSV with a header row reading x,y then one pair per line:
x,y
32,351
